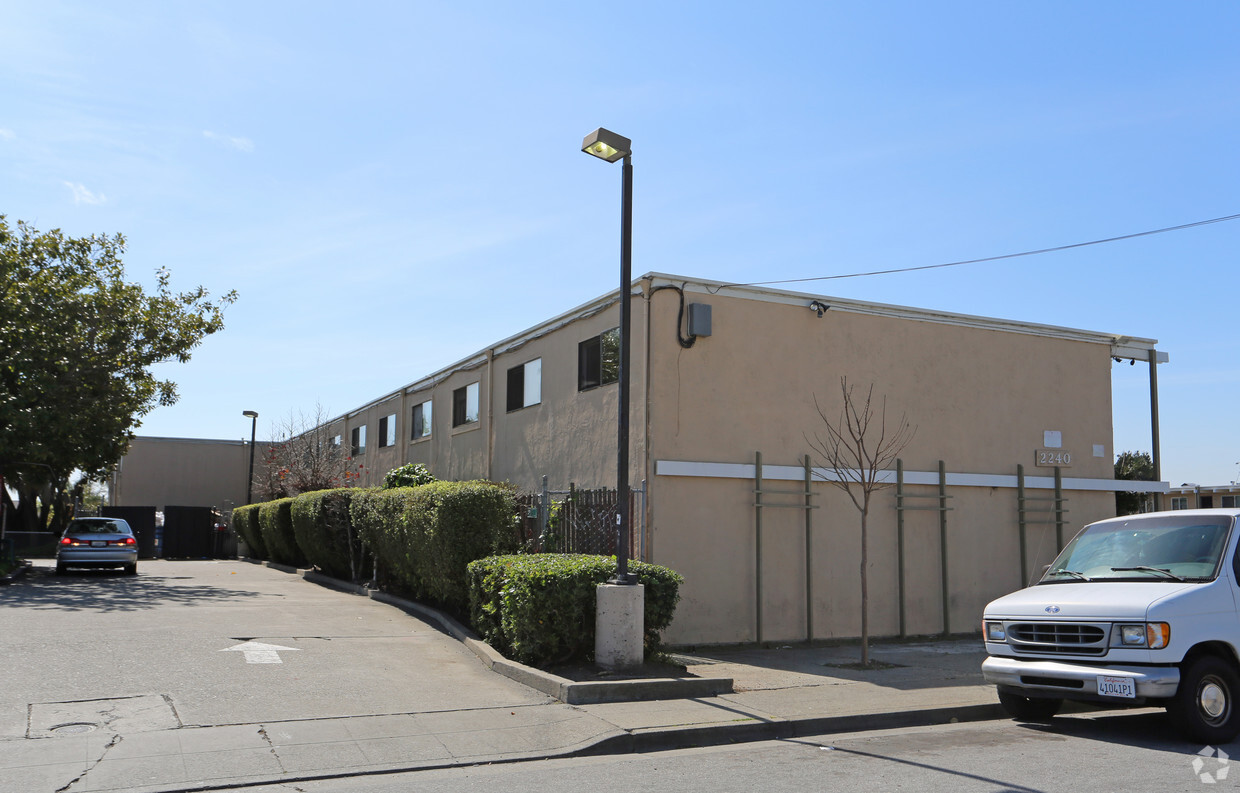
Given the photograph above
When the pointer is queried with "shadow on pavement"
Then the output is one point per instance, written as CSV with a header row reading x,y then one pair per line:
x,y
1146,728
111,591
903,666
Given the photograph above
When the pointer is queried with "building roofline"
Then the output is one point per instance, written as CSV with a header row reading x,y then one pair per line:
x,y
1187,490
162,439
1123,347
583,311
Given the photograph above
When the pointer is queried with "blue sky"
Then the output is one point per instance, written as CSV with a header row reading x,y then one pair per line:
x,y
392,186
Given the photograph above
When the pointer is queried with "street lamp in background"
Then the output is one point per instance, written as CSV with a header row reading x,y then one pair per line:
x,y
608,146
249,484
620,603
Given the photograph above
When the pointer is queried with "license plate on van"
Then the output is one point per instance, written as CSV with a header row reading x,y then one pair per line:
x,y
1122,687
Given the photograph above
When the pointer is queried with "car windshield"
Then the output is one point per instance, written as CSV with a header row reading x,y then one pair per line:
x,y
1174,548
96,527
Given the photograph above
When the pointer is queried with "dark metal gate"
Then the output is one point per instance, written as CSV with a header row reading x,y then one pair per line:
x,y
580,520
189,533
142,521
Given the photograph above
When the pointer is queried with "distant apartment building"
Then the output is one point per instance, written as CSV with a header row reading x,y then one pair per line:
x,y
1191,496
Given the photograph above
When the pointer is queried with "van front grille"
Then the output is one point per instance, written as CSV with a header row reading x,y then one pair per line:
x,y
1059,638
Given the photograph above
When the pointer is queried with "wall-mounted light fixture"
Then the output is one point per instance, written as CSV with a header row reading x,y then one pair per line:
x,y
820,307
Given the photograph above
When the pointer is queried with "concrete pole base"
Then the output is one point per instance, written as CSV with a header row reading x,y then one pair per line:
x,y
619,625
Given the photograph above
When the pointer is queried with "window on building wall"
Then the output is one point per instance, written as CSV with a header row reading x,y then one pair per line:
x,y
421,421
1230,502
335,441
598,360
465,405
1179,502
525,385
387,430
357,440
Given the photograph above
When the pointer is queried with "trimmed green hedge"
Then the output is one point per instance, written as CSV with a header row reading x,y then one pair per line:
x,y
410,475
245,523
439,543
424,537
539,609
276,523
325,534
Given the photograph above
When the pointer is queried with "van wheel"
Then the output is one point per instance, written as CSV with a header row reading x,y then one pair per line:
x,y
1204,707
1029,708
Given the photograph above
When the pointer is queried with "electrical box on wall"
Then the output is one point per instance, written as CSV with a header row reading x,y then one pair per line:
x,y
699,319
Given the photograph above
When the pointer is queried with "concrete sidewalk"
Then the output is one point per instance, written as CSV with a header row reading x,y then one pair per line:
x,y
775,693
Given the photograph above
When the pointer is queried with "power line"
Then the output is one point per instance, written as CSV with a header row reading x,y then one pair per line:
x,y
994,258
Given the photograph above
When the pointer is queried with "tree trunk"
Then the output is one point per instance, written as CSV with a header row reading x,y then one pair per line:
x,y
865,598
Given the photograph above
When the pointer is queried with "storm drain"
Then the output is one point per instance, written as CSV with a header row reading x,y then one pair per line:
x,y
76,728
146,713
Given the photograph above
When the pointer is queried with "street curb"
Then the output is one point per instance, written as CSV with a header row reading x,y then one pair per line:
x,y
285,568
647,740
15,573
658,739
577,750
570,692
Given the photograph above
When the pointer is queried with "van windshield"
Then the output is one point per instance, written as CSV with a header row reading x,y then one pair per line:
x,y
1173,548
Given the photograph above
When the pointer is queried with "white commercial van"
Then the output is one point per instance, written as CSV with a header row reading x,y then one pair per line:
x,y
1136,610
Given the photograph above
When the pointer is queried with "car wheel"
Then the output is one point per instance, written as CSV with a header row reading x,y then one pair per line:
x,y
131,569
1029,708
1204,707
61,569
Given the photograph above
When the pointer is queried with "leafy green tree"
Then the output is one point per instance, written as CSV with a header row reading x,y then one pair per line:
x,y
89,495
77,343
1134,466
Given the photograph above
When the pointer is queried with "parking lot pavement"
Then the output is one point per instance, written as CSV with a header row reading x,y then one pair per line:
x,y
200,675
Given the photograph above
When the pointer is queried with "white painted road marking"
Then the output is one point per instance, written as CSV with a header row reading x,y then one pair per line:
x,y
259,653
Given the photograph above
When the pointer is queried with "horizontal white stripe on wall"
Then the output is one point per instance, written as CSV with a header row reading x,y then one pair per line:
x,y
797,473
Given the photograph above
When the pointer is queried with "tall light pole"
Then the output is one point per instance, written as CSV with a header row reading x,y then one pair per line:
x,y
609,146
249,483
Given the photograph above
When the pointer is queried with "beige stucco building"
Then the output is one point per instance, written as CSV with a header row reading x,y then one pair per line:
x,y
189,472
1193,496
1013,440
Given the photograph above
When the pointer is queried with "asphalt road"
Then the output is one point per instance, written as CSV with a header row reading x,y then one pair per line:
x,y
168,648
212,644
1124,753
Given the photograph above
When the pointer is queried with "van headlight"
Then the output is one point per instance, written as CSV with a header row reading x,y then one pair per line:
x,y
993,631
1151,635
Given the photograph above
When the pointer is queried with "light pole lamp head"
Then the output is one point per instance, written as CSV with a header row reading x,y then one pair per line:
x,y
250,414
607,145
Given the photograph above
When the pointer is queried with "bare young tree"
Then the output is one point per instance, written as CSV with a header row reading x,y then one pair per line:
x,y
303,456
856,448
